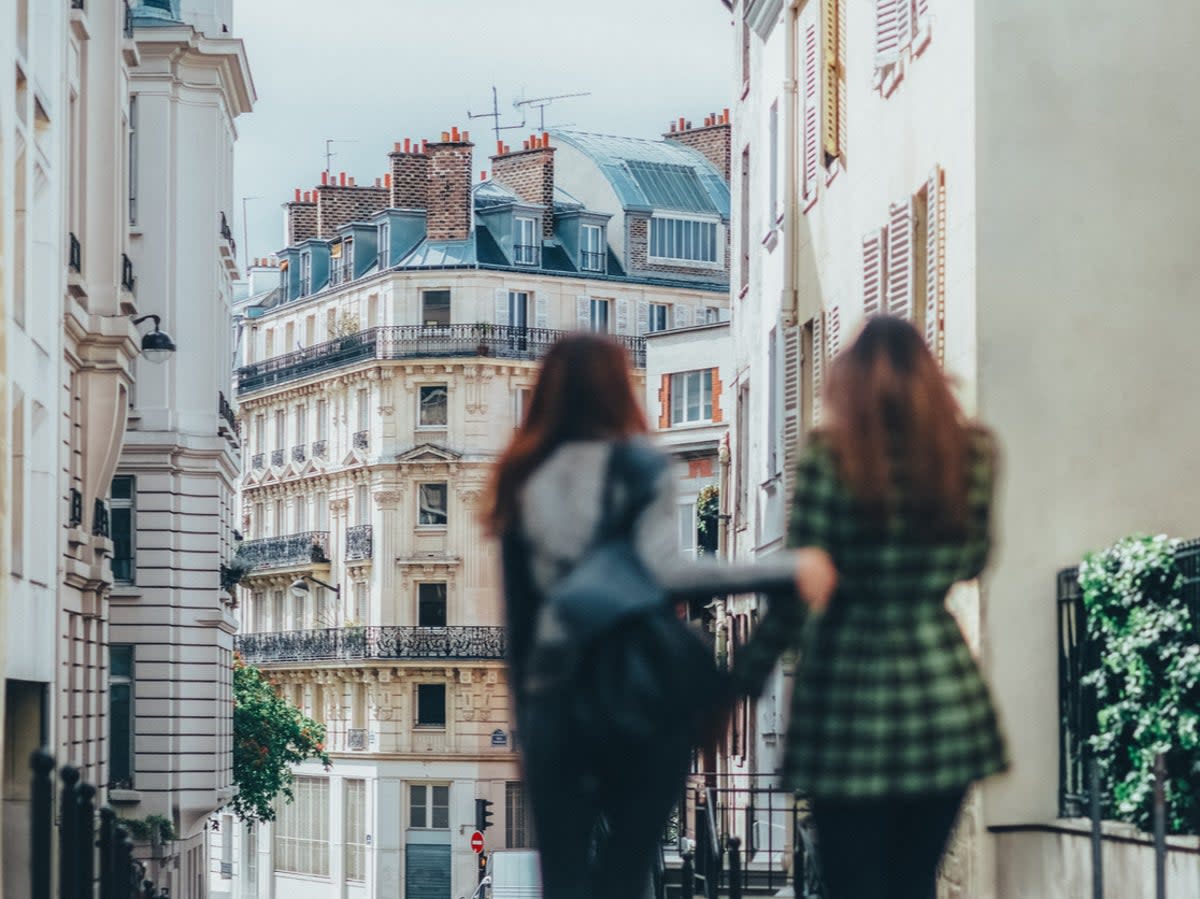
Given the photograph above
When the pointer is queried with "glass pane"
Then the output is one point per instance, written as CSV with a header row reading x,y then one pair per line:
x,y
121,523
435,307
120,734
433,407
416,805
433,504
120,660
431,605
518,309
687,527
431,705
122,488
692,404
677,387
441,807
706,387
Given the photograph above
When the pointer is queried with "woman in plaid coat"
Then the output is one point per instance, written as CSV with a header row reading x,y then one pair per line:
x,y
890,718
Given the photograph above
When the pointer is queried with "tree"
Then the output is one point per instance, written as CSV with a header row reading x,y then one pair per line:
x,y
270,735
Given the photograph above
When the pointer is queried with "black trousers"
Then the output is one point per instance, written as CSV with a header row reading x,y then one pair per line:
x,y
884,848
599,809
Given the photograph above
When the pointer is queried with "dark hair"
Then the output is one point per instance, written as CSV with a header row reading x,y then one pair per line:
x,y
583,392
890,407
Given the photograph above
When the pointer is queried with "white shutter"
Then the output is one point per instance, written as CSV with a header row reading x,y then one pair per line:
x,y
904,24
874,265
817,364
922,16
500,313
683,315
791,403
833,332
888,14
935,264
583,313
643,317
622,323
901,235
812,113
541,306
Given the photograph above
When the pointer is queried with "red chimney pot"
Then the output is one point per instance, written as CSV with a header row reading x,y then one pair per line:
x,y
297,195
324,177
483,175
545,138
682,124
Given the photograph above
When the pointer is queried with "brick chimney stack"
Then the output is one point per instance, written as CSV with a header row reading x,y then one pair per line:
x,y
340,200
301,222
448,194
410,175
529,173
713,140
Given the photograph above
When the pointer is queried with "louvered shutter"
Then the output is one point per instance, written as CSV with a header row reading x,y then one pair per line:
x,y
830,61
500,312
887,32
683,315
904,24
833,332
541,314
922,15
811,113
901,236
818,365
622,316
874,266
643,317
583,313
791,404
935,264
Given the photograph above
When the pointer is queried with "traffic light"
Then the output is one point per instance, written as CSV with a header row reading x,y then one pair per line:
x,y
483,814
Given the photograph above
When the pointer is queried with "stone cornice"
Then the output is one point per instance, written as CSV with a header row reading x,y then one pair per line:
x,y
164,49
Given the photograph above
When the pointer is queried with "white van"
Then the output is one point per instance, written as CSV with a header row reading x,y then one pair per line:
x,y
511,874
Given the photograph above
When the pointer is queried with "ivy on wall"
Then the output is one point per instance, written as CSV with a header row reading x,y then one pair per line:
x,y
1148,682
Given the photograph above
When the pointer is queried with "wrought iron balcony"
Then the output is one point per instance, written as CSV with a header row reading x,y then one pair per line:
x,y
592,262
359,542
526,254
320,449
128,29
298,453
386,642
361,440
100,525
413,342
277,458
75,251
227,233
128,281
76,508
259,461
226,412
288,550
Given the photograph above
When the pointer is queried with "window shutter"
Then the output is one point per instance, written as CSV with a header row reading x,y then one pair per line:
x,y
664,400
811,113
622,314
833,332
714,375
683,315
887,32
583,313
901,236
830,83
904,25
818,365
922,15
643,317
500,313
541,307
935,265
791,404
874,251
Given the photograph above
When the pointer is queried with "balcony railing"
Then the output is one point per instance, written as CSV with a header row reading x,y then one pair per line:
x,y
413,342
320,449
288,550
75,251
526,254
128,29
258,461
359,542
225,410
76,508
372,643
592,262
128,281
298,454
361,440
277,458
100,525
227,233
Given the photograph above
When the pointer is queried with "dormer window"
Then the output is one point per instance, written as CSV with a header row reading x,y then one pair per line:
x,y
683,240
525,245
342,262
385,243
305,274
591,253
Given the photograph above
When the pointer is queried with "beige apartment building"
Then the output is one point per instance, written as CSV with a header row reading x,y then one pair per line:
x,y
379,382
1007,177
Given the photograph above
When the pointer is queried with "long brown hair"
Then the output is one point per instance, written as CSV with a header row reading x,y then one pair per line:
x,y
583,392
891,414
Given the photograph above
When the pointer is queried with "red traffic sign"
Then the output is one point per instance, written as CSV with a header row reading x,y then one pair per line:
x,y
477,842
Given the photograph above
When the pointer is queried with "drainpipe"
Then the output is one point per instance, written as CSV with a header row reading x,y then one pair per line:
x,y
723,515
789,301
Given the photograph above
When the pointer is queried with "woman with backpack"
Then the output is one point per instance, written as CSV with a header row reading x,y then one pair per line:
x,y
891,720
611,688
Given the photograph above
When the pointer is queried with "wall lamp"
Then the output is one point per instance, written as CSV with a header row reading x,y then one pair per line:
x,y
157,345
300,588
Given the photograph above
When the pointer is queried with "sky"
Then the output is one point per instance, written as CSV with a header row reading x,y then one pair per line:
x,y
377,71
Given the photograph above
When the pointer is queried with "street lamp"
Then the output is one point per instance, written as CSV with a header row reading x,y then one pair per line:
x,y
300,590
157,345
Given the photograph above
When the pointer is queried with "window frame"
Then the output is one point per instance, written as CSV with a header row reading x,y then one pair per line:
x,y
445,511
443,598
305,286
604,305
427,805
665,310
383,243
425,320
129,505
312,795
418,705
687,506
525,228
591,248
355,850
128,681
682,397
517,831
421,391
690,261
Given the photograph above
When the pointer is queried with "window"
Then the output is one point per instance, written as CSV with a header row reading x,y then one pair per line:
x,y
133,159
591,254
280,429
321,502
354,826
278,622
302,828
120,716
686,519
301,514
364,409
431,499
259,520
305,274
773,165
435,308
280,527
362,504
258,612
711,314
432,406
691,397
260,433
431,705
301,424
516,816
250,880
525,247
900,25
360,602
683,240
322,420
774,401
660,317
431,605
123,527
521,397
833,79
599,315
518,308
742,451
342,261
429,807
383,236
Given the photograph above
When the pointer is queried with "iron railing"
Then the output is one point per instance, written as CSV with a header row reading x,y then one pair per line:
x,y
74,251
291,549
413,342
1079,654
76,508
361,440
128,281
320,449
385,642
128,29
277,458
359,542
227,233
258,461
592,262
298,454
225,410
526,254
100,525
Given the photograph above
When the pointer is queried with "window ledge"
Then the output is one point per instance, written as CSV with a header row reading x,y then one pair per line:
x,y
430,728
693,425
432,528
125,797
125,592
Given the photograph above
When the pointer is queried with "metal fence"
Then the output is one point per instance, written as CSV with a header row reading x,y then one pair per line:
x,y
286,551
413,342
388,642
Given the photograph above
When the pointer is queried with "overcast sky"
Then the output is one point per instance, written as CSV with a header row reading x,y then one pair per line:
x,y
376,71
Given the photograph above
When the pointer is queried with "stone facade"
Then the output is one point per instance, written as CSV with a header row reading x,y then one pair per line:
x,y
529,173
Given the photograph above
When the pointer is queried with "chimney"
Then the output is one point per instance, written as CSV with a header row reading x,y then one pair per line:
x,y
340,200
410,176
301,218
448,192
713,140
529,173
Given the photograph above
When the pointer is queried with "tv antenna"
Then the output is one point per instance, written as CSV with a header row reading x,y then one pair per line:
x,y
329,154
540,104
494,115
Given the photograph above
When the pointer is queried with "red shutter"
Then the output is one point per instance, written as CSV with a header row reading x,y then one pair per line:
x,y
901,283
935,264
887,32
812,120
818,365
833,332
874,266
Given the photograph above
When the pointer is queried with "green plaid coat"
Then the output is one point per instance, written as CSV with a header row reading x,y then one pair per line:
x,y
887,698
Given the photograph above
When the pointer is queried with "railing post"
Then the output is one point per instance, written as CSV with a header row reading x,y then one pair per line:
x,y
1160,826
86,829
1093,773
735,868
108,823
687,877
41,822
68,833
